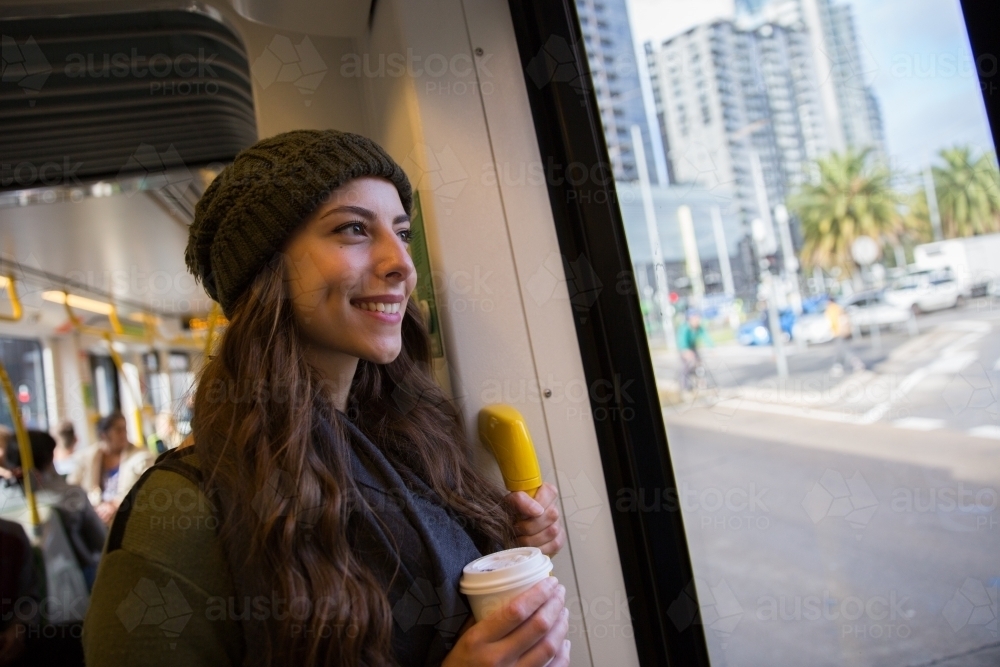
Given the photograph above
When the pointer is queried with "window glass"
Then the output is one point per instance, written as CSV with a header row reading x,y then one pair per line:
x,y
819,180
23,361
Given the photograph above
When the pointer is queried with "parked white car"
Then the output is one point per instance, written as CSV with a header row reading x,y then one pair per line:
x,y
869,309
812,329
924,291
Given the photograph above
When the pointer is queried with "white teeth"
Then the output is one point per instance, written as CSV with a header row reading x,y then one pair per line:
x,y
378,307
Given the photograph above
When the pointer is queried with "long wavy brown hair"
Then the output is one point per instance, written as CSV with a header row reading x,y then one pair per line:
x,y
261,410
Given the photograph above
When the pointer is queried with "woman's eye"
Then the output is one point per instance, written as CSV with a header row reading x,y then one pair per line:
x,y
406,235
354,228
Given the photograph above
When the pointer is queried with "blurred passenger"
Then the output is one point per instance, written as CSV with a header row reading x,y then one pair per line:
x,y
64,459
6,435
691,335
166,435
108,468
84,528
19,581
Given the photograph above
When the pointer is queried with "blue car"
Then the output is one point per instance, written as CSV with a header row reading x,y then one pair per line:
x,y
757,331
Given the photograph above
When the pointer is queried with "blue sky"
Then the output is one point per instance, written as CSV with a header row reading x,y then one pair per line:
x,y
917,58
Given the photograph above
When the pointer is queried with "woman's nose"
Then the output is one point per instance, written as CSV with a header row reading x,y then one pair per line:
x,y
393,257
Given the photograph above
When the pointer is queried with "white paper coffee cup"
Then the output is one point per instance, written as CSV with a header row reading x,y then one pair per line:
x,y
492,581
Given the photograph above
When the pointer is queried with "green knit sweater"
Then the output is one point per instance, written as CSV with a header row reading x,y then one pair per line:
x,y
164,591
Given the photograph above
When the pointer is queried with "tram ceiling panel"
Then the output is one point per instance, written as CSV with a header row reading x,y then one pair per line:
x,y
84,98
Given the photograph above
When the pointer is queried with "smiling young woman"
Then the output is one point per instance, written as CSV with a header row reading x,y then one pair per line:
x,y
327,507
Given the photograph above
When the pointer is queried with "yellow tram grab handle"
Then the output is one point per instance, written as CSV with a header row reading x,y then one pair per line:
x,y
504,431
213,321
112,313
7,283
24,445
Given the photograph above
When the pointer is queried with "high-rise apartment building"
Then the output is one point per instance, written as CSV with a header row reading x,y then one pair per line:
x,y
728,99
850,107
615,71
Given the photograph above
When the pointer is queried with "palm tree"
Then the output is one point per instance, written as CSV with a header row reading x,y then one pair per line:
x,y
916,222
853,197
968,192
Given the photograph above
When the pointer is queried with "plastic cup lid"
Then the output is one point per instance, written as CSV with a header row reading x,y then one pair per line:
x,y
504,570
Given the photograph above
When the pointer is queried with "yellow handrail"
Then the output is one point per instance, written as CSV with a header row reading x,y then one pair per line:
x,y
213,320
24,445
7,282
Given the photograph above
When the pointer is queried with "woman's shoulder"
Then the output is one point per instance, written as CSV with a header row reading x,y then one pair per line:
x,y
163,588
167,519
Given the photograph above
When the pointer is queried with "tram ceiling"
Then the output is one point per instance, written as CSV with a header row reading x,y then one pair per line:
x,y
121,248
120,95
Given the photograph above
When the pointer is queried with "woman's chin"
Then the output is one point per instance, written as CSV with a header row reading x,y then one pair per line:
x,y
382,356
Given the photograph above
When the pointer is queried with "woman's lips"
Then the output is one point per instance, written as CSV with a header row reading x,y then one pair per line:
x,y
390,313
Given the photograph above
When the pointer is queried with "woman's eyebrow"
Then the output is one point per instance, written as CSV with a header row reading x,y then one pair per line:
x,y
356,210
364,213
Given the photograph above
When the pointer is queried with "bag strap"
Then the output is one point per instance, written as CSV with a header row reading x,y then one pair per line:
x,y
173,460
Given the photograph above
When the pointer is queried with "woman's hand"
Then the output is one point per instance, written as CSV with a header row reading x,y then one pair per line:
x,y
529,631
539,525
107,510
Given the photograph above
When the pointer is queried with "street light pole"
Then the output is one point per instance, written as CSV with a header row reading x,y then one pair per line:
x,y
932,202
764,244
659,268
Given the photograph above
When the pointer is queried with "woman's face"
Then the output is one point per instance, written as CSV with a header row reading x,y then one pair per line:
x,y
117,436
349,274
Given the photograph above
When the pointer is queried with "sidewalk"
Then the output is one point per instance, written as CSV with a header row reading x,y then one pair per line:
x,y
742,378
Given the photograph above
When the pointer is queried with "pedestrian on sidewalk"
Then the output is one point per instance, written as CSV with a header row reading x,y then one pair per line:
x,y
840,326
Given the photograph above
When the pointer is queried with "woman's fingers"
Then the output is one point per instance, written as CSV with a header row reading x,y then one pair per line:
x,y
542,530
532,523
525,505
549,647
515,613
538,626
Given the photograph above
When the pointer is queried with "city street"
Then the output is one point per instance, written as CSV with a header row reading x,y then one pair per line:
x,y
849,520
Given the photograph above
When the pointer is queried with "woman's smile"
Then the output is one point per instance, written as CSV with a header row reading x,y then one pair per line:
x,y
388,308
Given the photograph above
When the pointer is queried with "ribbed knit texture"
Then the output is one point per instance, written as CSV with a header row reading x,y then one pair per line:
x,y
248,212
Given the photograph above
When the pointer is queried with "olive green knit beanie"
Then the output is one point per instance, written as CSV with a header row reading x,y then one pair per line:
x,y
253,206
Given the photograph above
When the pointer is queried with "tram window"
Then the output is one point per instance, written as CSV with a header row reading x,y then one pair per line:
x,y
23,361
181,387
836,468
105,375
